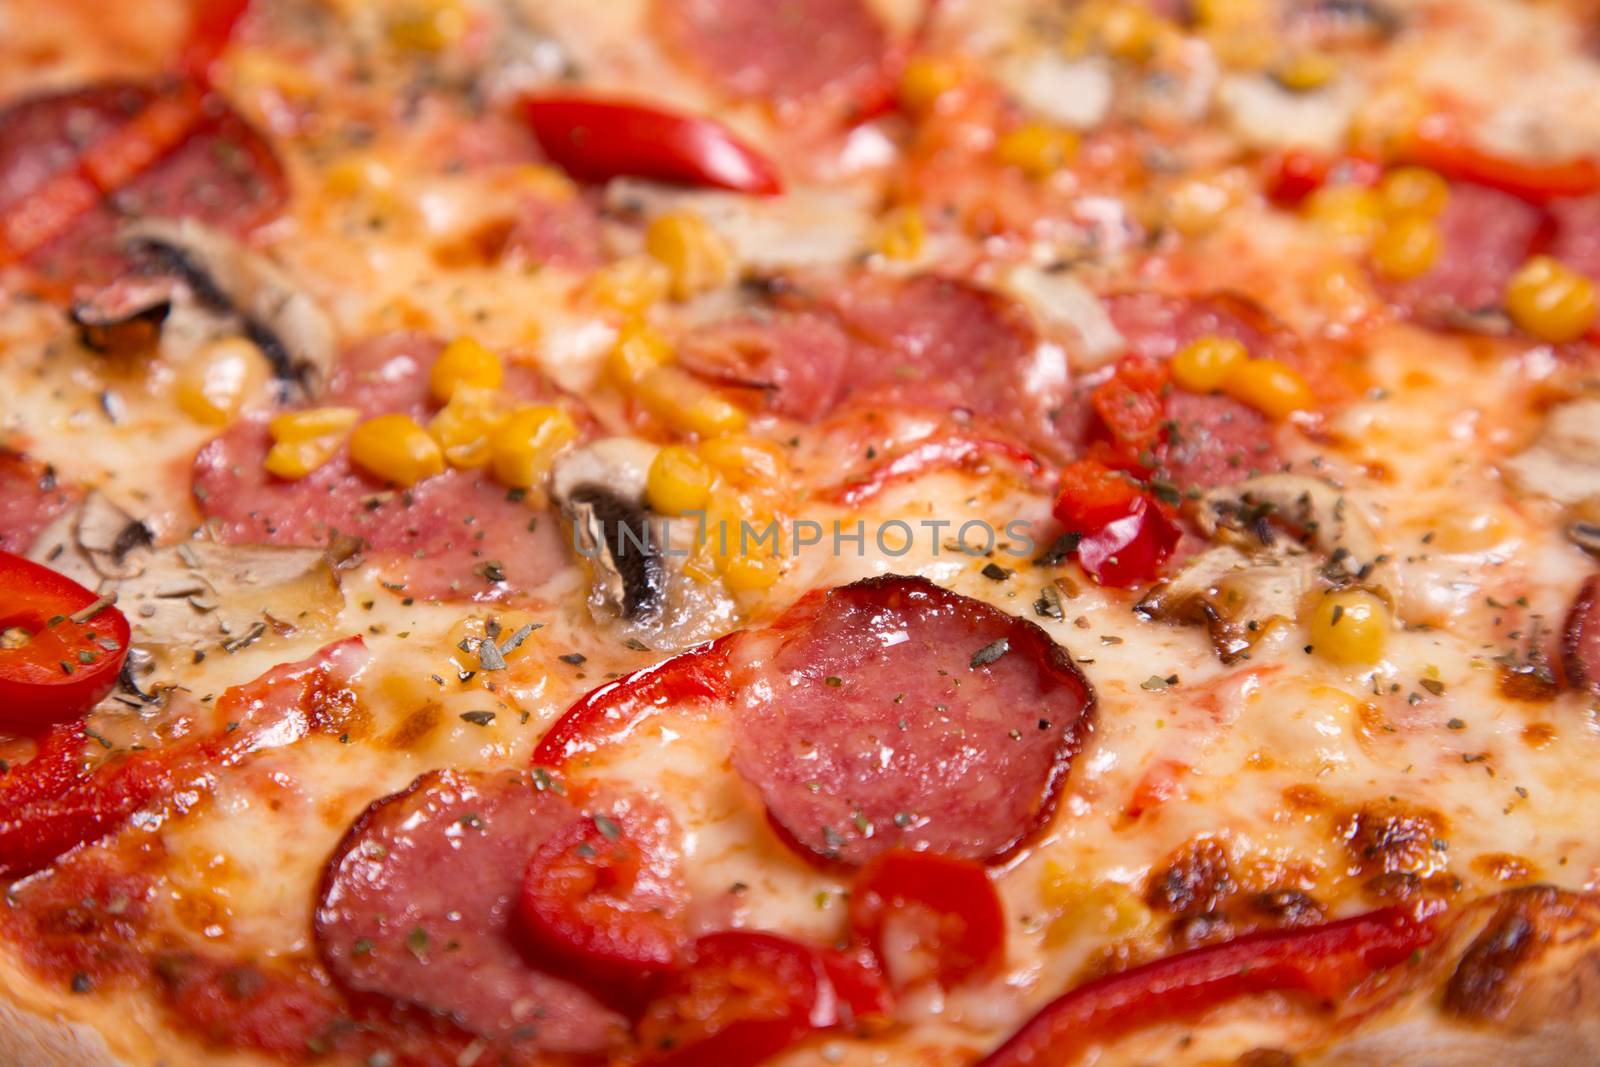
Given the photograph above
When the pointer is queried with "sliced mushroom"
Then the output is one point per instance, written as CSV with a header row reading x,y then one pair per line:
x,y
634,556
222,288
1238,600
1563,465
1281,538
1292,513
194,593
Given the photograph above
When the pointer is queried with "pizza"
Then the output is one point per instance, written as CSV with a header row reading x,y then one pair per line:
x,y
708,533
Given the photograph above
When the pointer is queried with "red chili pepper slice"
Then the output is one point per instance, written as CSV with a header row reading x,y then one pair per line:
x,y
1124,534
596,140
61,647
1325,961
210,31
747,996
943,906
603,898
1438,144
611,711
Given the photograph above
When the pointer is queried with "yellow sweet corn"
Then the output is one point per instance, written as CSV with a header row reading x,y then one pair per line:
x,y
1306,72
925,80
1407,248
1275,389
1202,365
902,234
1551,301
1349,212
1407,191
679,481
395,448
631,285
313,423
427,25
526,443
293,460
1036,149
638,351
1350,626
687,404
463,426
213,383
696,257
464,362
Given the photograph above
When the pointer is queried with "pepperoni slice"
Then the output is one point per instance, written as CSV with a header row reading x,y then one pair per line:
x,y
1485,236
198,160
782,53
454,536
1214,440
30,498
927,343
892,713
1577,234
417,904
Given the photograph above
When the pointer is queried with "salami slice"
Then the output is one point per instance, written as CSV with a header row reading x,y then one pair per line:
x,y
1158,324
454,536
1485,236
1214,440
1577,234
30,497
926,343
417,904
892,713
197,160
781,53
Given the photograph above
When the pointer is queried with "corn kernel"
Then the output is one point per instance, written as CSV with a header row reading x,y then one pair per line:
x,y
695,255
293,460
1413,191
1037,150
524,446
1349,212
679,481
1350,626
639,351
428,25
1244,47
213,383
687,404
1306,72
631,285
1128,31
1195,205
313,423
355,175
903,234
1221,13
1202,365
746,460
396,449
463,427
464,362
748,573
925,80
1551,301
1275,389
545,182
1407,248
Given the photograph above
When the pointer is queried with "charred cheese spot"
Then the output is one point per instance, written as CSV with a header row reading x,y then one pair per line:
x,y
1194,881
1528,924
415,728
1392,835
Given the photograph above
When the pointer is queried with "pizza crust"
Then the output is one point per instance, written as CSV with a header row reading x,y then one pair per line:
x,y
32,1036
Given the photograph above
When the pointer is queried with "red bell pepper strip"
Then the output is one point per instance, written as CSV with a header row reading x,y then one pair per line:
x,y
948,903
746,997
1324,961
596,140
611,711
210,31
1124,534
602,898
1296,173
42,215
61,647
1439,145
